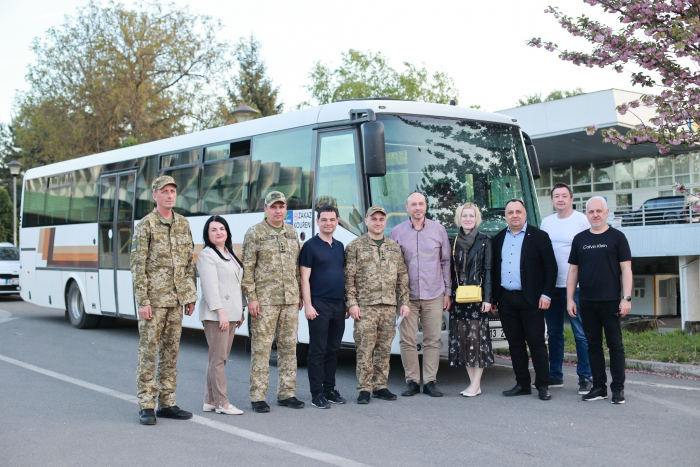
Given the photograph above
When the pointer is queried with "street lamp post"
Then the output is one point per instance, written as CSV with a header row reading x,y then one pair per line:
x,y
243,113
14,167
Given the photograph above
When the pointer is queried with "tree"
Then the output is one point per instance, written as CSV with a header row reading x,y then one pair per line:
x,y
252,87
368,74
6,220
552,96
662,38
111,76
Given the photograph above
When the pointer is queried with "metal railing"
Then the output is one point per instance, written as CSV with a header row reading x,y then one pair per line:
x,y
652,212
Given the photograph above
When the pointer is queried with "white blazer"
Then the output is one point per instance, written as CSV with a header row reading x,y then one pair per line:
x,y
221,286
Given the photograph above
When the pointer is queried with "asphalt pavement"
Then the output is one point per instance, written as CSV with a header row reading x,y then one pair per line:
x,y
67,399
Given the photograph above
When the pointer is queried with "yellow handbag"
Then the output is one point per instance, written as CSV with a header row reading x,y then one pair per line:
x,y
465,293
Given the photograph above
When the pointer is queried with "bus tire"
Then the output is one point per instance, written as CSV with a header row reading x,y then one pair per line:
x,y
302,354
76,309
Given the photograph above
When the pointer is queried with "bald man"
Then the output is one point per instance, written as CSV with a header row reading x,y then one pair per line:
x,y
426,250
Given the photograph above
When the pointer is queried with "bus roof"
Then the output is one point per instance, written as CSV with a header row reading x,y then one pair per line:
x,y
337,111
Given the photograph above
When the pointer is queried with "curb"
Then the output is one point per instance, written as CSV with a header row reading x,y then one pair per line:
x,y
652,367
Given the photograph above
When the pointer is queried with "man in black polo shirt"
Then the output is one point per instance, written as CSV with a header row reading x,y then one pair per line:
x,y
323,290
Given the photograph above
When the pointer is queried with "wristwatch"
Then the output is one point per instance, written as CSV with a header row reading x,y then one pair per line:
x,y
627,297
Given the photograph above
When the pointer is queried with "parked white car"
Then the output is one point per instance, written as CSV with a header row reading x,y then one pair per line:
x,y
9,269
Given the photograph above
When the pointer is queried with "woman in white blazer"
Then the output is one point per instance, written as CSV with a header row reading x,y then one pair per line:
x,y
220,308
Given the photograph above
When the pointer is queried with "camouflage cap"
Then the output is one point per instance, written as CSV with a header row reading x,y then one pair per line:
x,y
161,181
374,209
274,196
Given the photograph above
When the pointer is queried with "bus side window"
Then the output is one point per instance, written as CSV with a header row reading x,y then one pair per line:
x,y
147,172
34,202
83,201
58,199
282,162
226,178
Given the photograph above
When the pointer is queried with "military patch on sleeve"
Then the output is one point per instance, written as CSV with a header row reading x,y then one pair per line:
x,y
133,243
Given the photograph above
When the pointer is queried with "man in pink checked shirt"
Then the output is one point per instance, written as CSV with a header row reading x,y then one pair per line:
x,y
426,250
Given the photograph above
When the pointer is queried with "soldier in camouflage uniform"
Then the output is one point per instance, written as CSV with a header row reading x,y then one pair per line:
x,y
271,281
162,268
374,272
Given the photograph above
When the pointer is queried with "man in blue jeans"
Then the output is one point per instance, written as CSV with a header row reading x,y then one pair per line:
x,y
562,227
323,290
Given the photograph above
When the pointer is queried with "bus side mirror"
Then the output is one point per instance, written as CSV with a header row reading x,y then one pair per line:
x,y
534,163
373,148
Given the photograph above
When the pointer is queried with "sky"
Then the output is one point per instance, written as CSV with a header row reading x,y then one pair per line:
x,y
481,45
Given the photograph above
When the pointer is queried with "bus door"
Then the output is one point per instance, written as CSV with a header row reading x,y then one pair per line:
x,y
116,224
339,183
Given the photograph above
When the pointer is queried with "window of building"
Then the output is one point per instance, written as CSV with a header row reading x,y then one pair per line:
x,y
603,176
282,162
623,175
623,201
581,178
665,169
644,170
544,183
681,168
561,175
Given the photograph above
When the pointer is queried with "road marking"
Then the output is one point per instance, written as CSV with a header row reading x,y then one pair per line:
x,y
658,385
6,316
669,404
233,430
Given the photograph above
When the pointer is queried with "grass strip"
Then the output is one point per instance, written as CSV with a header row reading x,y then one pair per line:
x,y
669,347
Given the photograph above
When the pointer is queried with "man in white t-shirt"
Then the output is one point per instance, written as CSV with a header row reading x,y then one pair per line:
x,y
562,227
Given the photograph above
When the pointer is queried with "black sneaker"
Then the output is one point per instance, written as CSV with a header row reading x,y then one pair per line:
x,y
363,397
618,396
292,402
384,394
596,394
334,397
585,386
320,402
147,417
260,407
173,412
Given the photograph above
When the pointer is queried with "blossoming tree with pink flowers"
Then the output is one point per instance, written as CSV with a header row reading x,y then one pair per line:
x,y
662,37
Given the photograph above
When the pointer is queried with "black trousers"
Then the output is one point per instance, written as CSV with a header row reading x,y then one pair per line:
x,y
325,334
524,327
596,317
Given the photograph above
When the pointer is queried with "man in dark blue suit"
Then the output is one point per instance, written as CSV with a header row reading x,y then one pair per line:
x,y
524,278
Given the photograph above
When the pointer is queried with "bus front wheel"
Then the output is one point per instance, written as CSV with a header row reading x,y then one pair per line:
x,y
76,309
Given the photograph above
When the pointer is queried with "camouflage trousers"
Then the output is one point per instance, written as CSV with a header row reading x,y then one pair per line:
x,y
373,335
160,337
282,320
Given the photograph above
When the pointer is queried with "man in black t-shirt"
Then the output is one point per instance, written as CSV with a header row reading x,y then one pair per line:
x,y
599,256
323,290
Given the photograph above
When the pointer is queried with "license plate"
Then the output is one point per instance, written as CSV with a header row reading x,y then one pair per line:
x,y
497,334
13,281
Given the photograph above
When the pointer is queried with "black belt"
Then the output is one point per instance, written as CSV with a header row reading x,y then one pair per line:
x,y
513,291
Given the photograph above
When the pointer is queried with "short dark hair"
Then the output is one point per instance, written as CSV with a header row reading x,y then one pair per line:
x,y
516,200
561,185
326,208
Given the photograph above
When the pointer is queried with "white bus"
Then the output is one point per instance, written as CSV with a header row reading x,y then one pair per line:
x,y
78,216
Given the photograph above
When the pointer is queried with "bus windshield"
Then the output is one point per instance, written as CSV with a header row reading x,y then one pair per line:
x,y
453,162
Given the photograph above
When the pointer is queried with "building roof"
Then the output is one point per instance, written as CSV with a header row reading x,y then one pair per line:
x,y
556,128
